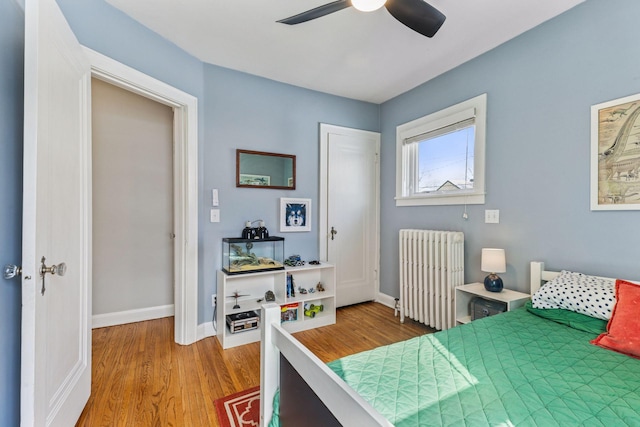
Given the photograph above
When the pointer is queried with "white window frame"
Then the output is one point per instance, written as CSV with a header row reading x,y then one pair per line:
x,y
405,170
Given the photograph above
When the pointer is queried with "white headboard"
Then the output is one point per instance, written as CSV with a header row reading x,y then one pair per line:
x,y
539,276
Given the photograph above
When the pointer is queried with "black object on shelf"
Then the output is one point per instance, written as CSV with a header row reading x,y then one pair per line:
x,y
259,232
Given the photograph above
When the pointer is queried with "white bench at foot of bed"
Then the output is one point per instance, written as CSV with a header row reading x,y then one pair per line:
x,y
346,405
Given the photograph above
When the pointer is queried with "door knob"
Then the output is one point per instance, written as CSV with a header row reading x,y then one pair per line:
x,y
59,269
333,232
11,271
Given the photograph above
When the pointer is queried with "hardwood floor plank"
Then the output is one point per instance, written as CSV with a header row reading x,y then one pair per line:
x,y
140,377
123,399
200,396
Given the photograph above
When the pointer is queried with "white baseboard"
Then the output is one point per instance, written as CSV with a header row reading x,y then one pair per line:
x,y
387,300
130,316
206,330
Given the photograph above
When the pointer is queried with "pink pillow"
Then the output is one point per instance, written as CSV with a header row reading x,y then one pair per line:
x,y
623,329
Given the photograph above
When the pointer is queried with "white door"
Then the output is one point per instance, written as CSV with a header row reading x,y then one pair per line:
x,y
56,341
350,213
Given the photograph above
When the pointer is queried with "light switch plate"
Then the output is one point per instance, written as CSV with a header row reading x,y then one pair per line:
x,y
492,216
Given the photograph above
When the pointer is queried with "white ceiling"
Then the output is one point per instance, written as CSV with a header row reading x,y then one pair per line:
x,y
365,56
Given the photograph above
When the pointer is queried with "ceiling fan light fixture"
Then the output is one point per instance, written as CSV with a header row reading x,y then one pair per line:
x,y
417,15
368,5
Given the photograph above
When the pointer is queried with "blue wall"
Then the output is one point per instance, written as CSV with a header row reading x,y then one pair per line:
x,y
249,112
107,30
540,88
11,113
236,110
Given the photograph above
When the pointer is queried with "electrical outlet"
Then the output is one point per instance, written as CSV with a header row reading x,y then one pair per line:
x,y
215,215
213,300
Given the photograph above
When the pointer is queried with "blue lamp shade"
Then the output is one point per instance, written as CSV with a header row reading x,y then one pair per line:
x,y
493,261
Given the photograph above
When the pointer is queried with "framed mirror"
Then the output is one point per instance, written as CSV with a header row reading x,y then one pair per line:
x,y
257,169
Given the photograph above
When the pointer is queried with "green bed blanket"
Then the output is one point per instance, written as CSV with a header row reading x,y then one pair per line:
x,y
514,369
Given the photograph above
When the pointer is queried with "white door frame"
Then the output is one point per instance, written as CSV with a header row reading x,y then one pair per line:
x,y
323,202
185,181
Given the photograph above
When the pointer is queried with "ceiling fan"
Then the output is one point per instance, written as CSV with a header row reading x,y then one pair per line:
x,y
415,14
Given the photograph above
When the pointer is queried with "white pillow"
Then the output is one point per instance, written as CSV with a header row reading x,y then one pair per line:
x,y
577,292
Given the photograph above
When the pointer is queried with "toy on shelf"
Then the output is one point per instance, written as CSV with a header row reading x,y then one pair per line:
x,y
320,287
236,295
294,261
310,310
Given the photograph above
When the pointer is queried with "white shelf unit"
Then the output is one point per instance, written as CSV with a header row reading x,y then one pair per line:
x,y
253,287
465,293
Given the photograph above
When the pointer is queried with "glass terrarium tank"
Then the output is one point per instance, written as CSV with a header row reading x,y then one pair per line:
x,y
252,255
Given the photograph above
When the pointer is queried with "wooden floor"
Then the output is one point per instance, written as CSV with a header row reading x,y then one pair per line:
x,y
142,378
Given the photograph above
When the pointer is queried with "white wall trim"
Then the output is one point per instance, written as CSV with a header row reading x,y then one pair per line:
x,y
206,330
130,316
387,300
185,181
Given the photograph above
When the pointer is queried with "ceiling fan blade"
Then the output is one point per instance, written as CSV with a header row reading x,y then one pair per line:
x,y
417,15
317,12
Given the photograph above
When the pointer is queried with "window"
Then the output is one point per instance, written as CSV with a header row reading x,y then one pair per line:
x,y
440,157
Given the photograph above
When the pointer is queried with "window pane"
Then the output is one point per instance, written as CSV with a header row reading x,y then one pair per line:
x,y
445,163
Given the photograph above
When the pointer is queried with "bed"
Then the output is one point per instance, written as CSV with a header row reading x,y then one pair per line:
x,y
516,368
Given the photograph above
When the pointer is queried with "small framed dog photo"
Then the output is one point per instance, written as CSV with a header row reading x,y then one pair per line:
x,y
295,214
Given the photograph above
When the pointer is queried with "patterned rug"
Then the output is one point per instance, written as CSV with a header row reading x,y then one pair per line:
x,y
239,409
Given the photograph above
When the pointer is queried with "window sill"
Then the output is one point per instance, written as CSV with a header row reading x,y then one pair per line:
x,y
441,200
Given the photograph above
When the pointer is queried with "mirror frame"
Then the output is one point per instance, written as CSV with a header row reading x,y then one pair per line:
x,y
263,153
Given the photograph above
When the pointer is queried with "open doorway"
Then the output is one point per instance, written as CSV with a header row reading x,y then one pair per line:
x,y
185,182
132,198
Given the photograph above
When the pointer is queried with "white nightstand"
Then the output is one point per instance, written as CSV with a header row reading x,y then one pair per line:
x,y
465,293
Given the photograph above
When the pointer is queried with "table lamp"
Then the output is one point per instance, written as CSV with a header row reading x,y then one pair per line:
x,y
493,261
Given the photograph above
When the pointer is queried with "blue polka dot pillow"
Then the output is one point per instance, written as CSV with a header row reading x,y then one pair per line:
x,y
590,295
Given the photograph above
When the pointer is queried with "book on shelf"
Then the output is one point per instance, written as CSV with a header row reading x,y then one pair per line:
x,y
289,312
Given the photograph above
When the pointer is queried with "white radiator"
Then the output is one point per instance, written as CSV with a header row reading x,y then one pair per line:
x,y
431,266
